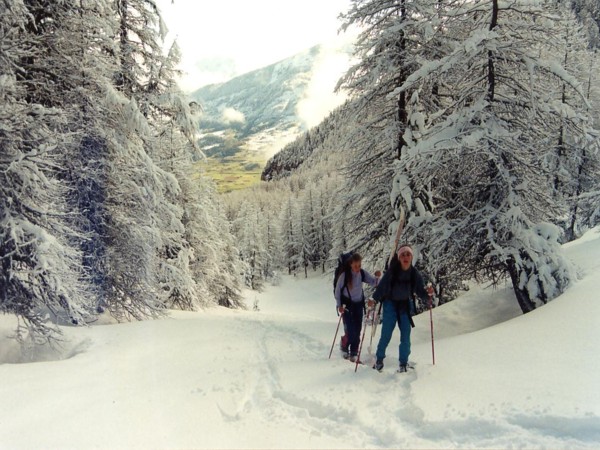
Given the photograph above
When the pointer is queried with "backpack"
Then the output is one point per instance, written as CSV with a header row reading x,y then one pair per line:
x,y
343,265
343,261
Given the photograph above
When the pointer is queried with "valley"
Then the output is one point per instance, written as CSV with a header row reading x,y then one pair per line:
x,y
248,119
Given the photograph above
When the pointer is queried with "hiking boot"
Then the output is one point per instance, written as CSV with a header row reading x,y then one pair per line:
x,y
345,355
344,343
403,368
378,366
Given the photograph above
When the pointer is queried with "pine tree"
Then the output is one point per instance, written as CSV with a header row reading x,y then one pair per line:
x,y
249,230
166,140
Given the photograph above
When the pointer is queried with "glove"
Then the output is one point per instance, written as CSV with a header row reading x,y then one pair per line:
x,y
430,290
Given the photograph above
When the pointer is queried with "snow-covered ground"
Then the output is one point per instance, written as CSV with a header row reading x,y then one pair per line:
x,y
262,379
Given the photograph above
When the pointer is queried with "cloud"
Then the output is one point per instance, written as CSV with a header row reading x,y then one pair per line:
x,y
268,142
232,115
320,99
224,66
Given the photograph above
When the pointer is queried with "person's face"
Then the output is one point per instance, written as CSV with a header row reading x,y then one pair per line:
x,y
355,266
405,259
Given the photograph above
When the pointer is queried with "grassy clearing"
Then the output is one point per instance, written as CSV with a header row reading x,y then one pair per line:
x,y
234,172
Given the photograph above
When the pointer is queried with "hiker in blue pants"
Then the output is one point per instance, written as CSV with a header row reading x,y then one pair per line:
x,y
396,290
350,300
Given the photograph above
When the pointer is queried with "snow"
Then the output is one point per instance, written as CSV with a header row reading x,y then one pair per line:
x,y
261,379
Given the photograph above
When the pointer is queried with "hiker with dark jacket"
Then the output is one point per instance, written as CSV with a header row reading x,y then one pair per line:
x,y
350,300
396,290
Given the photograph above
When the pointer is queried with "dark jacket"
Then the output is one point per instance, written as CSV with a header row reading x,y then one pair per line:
x,y
401,286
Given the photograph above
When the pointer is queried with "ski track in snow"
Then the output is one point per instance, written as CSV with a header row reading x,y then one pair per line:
x,y
382,421
266,397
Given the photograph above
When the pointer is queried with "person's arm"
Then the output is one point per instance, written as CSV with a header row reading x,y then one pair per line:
x,y
372,280
422,291
381,290
338,290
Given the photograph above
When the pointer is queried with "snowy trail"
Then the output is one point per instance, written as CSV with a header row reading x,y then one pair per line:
x,y
261,379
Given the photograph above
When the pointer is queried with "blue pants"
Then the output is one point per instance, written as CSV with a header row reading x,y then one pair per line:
x,y
353,318
391,317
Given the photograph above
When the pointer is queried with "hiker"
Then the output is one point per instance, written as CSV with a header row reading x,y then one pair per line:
x,y
396,290
350,300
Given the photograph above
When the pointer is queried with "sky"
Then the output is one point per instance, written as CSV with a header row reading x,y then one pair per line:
x,y
220,40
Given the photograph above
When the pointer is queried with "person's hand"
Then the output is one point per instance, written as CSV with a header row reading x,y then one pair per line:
x,y
378,273
370,303
430,290
342,309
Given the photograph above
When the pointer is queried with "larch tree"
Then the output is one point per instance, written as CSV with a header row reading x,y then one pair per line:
x,y
395,34
40,259
97,207
291,235
485,153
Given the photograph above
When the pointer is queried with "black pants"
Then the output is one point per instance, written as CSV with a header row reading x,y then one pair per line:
x,y
353,318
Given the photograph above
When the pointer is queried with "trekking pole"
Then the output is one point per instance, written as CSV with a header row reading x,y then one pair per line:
x,y
336,333
431,325
361,343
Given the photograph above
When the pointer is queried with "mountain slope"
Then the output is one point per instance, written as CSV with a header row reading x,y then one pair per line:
x,y
249,117
263,99
310,148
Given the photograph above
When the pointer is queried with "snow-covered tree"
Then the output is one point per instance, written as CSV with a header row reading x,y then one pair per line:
x,y
255,217
322,204
183,239
588,12
251,243
392,32
576,159
40,276
214,258
290,236
486,153
97,209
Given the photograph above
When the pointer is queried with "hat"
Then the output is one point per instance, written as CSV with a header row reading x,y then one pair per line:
x,y
404,248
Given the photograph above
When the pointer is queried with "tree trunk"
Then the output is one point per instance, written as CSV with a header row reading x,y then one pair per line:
x,y
402,112
491,68
525,302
